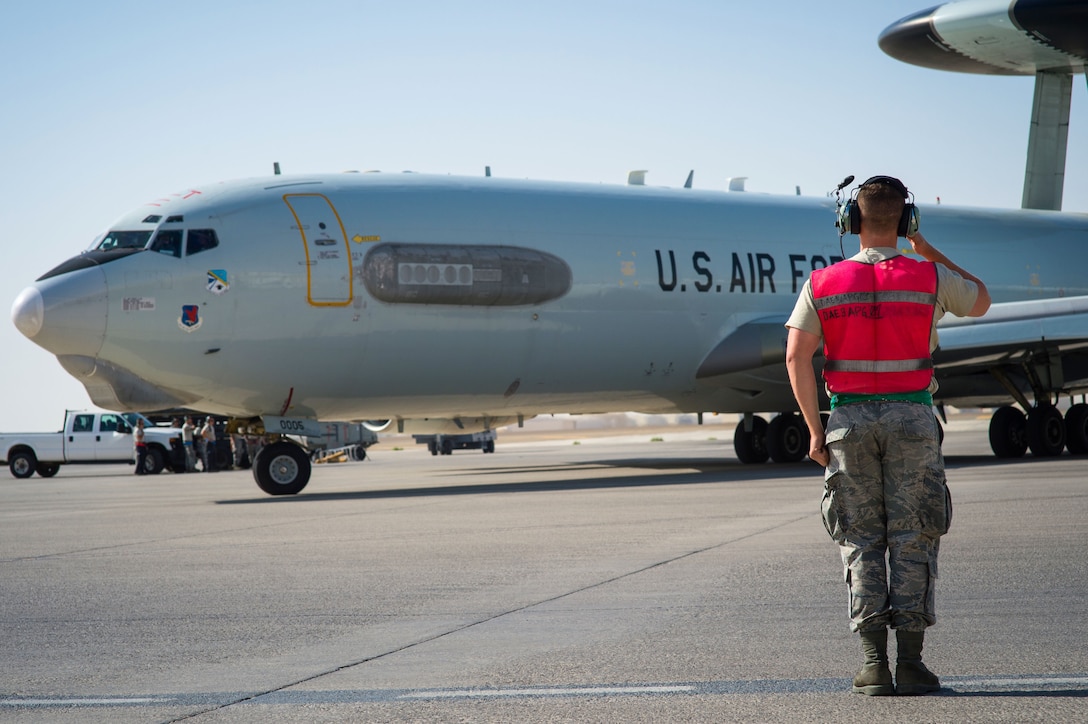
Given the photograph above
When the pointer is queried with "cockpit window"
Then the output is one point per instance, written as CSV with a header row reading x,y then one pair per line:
x,y
167,242
200,240
123,240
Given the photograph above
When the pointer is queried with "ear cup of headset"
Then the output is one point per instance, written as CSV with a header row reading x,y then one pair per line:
x,y
909,221
849,221
853,216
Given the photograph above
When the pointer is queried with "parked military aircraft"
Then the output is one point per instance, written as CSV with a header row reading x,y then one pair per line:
x,y
482,301
442,303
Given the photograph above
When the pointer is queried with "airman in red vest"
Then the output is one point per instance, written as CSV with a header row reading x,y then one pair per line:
x,y
886,503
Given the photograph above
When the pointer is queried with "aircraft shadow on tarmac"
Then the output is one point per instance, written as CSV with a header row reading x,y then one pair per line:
x,y
669,472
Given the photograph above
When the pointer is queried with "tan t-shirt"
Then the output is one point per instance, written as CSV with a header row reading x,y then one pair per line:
x,y
954,294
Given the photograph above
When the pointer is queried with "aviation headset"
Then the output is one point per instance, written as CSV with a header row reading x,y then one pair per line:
x,y
850,214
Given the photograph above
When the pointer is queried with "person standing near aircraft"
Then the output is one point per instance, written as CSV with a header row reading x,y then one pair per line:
x,y
141,446
207,433
885,503
187,430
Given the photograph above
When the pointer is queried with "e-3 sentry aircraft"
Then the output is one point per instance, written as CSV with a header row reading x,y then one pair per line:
x,y
441,303
482,301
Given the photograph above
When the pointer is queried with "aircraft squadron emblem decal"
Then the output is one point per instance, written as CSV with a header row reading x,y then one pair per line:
x,y
217,281
190,320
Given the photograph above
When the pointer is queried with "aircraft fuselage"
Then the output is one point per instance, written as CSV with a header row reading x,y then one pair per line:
x,y
348,297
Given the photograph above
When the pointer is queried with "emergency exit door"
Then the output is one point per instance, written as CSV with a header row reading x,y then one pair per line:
x,y
328,257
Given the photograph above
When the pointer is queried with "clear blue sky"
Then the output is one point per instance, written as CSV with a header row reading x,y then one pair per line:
x,y
109,104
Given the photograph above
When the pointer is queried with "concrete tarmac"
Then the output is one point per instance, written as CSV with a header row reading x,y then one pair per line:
x,y
644,577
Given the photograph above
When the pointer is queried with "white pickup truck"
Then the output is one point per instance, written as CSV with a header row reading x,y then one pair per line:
x,y
88,437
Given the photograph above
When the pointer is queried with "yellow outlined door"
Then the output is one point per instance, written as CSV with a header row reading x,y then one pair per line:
x,y
328,258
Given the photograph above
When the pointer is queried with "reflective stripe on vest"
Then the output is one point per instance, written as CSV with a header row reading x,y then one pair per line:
x,y
877,320
873,297
857,365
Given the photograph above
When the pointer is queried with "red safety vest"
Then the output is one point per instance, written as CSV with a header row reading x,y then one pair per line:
x,y
877,320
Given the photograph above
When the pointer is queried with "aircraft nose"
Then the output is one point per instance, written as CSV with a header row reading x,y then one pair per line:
x,y
27,312
65,314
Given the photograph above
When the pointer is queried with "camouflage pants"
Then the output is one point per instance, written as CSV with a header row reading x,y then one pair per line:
x,y
886,505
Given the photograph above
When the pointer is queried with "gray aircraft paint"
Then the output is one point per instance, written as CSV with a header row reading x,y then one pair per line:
x,y
658,278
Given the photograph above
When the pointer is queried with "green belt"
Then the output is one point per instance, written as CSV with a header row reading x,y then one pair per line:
x,y
922,398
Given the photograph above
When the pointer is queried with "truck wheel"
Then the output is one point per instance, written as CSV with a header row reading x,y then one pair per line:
x,y
154,461
47,470
22,464
281,468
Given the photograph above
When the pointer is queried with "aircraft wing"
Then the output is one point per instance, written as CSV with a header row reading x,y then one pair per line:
x,y
1035,334
1012,329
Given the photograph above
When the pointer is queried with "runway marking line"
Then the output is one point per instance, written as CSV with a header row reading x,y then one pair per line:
x,y
1072,684
104,701
565,691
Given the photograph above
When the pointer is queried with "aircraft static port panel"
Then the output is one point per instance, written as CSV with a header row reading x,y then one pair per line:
x,y
464,275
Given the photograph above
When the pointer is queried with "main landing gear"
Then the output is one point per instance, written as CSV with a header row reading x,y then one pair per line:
x,y
1044,431
784,440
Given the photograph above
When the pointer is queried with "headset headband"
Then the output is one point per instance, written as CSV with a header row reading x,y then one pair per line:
x,y
888,181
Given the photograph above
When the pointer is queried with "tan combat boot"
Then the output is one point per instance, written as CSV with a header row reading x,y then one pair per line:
x,y
911,675
875,677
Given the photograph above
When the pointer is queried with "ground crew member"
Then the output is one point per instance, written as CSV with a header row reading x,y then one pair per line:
x,y
207,433
139,438
187,430
885,493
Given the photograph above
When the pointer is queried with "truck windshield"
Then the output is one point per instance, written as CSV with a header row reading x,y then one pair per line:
x,y
123,240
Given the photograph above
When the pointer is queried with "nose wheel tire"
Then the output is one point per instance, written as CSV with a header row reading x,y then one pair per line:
x,y
281,468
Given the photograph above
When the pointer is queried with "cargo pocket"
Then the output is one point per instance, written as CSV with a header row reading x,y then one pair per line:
x,y
922,450
936,509
947,511
834,517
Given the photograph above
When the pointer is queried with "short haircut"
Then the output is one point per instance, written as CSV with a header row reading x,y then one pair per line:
x,y
881,206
